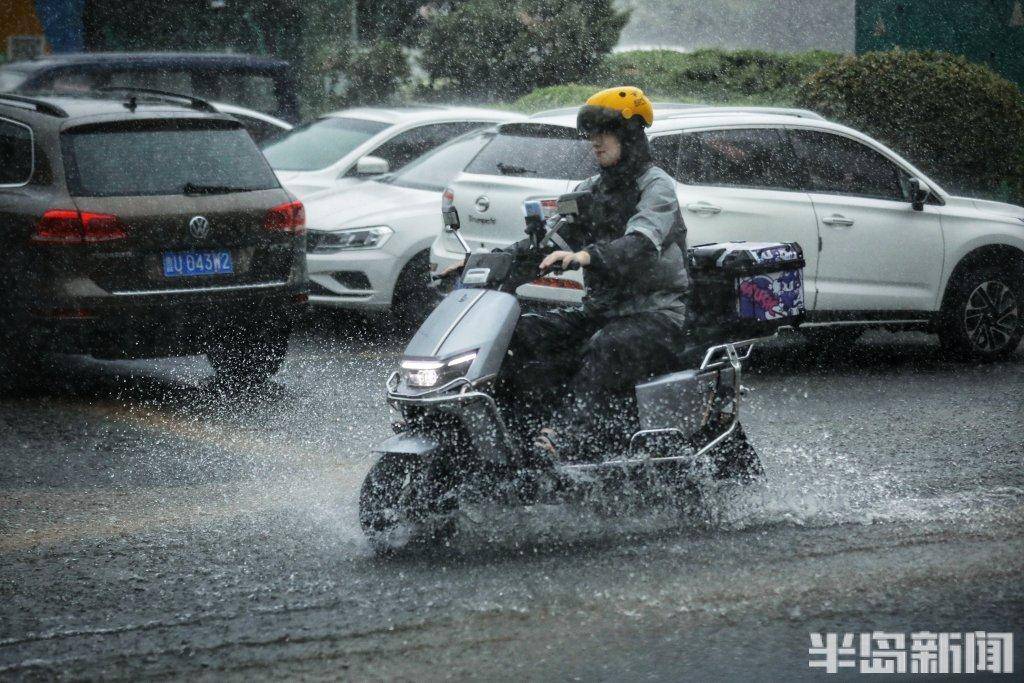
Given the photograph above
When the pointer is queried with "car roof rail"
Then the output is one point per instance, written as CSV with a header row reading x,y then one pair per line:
x,y
41,106
191,101
703,110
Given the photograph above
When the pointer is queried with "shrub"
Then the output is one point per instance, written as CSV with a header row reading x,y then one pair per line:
x,y
504,48
960,122
555,96
375,72
713,74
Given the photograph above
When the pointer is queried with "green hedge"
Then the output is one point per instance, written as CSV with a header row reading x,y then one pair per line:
x,y
750,76
960,122
505,48
706,76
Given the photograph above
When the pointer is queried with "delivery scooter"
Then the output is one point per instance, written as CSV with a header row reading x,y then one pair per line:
x,y
454,443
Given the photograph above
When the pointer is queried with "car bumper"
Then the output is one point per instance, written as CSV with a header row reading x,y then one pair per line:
x,y
354,279
157,325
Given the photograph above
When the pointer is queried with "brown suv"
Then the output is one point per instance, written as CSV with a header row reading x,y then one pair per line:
x,y
137,224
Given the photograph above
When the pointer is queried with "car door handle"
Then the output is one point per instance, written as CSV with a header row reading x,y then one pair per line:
x,y
703,208
837,220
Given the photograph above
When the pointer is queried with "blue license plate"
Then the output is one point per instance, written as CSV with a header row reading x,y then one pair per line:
x,y
191,263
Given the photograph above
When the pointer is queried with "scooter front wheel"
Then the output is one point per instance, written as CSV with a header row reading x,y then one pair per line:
x,y
392,516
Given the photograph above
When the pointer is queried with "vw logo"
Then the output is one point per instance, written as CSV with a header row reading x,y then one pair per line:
x,y
199,227
483,203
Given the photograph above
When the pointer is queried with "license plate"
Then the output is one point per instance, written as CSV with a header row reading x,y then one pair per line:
x,y
191,263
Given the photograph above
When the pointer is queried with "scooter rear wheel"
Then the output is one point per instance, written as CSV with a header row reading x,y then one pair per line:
x,y
735,458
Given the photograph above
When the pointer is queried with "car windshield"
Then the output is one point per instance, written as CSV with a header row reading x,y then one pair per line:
x,y
11,79
320,143
536,151
163,158
434,170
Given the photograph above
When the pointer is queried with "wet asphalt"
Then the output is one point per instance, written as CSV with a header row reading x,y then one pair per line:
x,y
153,527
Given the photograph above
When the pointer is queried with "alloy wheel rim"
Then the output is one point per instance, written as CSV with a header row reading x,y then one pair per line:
x,y
991,316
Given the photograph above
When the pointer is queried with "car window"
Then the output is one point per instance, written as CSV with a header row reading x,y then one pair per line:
x,y
435,170
536,151
261,131
69,82
320,143
178,81
665,151
757,158
250,90
839,165
414,143
16,151
161,157
11,79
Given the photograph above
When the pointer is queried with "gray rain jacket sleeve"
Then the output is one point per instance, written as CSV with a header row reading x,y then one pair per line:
x,y
644,269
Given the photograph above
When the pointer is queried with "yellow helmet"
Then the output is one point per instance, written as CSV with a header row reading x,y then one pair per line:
x,y
614,108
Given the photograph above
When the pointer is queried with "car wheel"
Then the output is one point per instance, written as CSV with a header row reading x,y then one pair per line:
x,y
248,358
983,317
414,298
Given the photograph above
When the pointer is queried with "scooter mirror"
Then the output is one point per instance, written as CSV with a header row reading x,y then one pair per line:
x,y
575,206
451,220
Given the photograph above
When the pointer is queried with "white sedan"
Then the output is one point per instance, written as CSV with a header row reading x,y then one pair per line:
x,y
348,146
368,245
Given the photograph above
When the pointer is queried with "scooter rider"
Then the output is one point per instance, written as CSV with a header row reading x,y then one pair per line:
x,y
632,321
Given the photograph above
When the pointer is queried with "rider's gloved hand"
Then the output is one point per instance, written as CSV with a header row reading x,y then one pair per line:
x,y
450,271
564,260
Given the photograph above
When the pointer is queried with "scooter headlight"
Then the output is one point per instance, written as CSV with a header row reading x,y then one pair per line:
x,y
424,374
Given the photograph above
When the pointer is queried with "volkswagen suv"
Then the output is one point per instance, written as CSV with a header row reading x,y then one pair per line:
x,y
885,245
138,225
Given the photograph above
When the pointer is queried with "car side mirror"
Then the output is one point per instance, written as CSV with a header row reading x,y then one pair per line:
x,y
371,165
918,194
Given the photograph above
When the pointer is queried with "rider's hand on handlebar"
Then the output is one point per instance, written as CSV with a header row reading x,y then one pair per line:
x,y
450,271
564,260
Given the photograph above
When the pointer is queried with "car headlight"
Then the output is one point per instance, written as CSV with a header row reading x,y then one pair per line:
x,y
424,374
324,242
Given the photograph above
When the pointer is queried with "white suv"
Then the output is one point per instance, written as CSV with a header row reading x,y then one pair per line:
x,y
347,146
885,245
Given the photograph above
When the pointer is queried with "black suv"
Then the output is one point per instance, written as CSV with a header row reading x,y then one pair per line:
x,y
261,83
139,224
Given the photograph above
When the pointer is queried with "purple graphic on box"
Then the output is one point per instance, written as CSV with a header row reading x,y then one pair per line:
x,y
782,252
772,295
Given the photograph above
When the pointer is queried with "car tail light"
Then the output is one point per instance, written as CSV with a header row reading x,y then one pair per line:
x,y
64,313
102,227
557,283
290,218
447,199
63,226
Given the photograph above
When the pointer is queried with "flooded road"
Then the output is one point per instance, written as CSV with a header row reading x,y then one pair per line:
x,y
151,526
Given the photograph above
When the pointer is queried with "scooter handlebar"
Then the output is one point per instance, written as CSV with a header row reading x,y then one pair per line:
x,y
557,269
